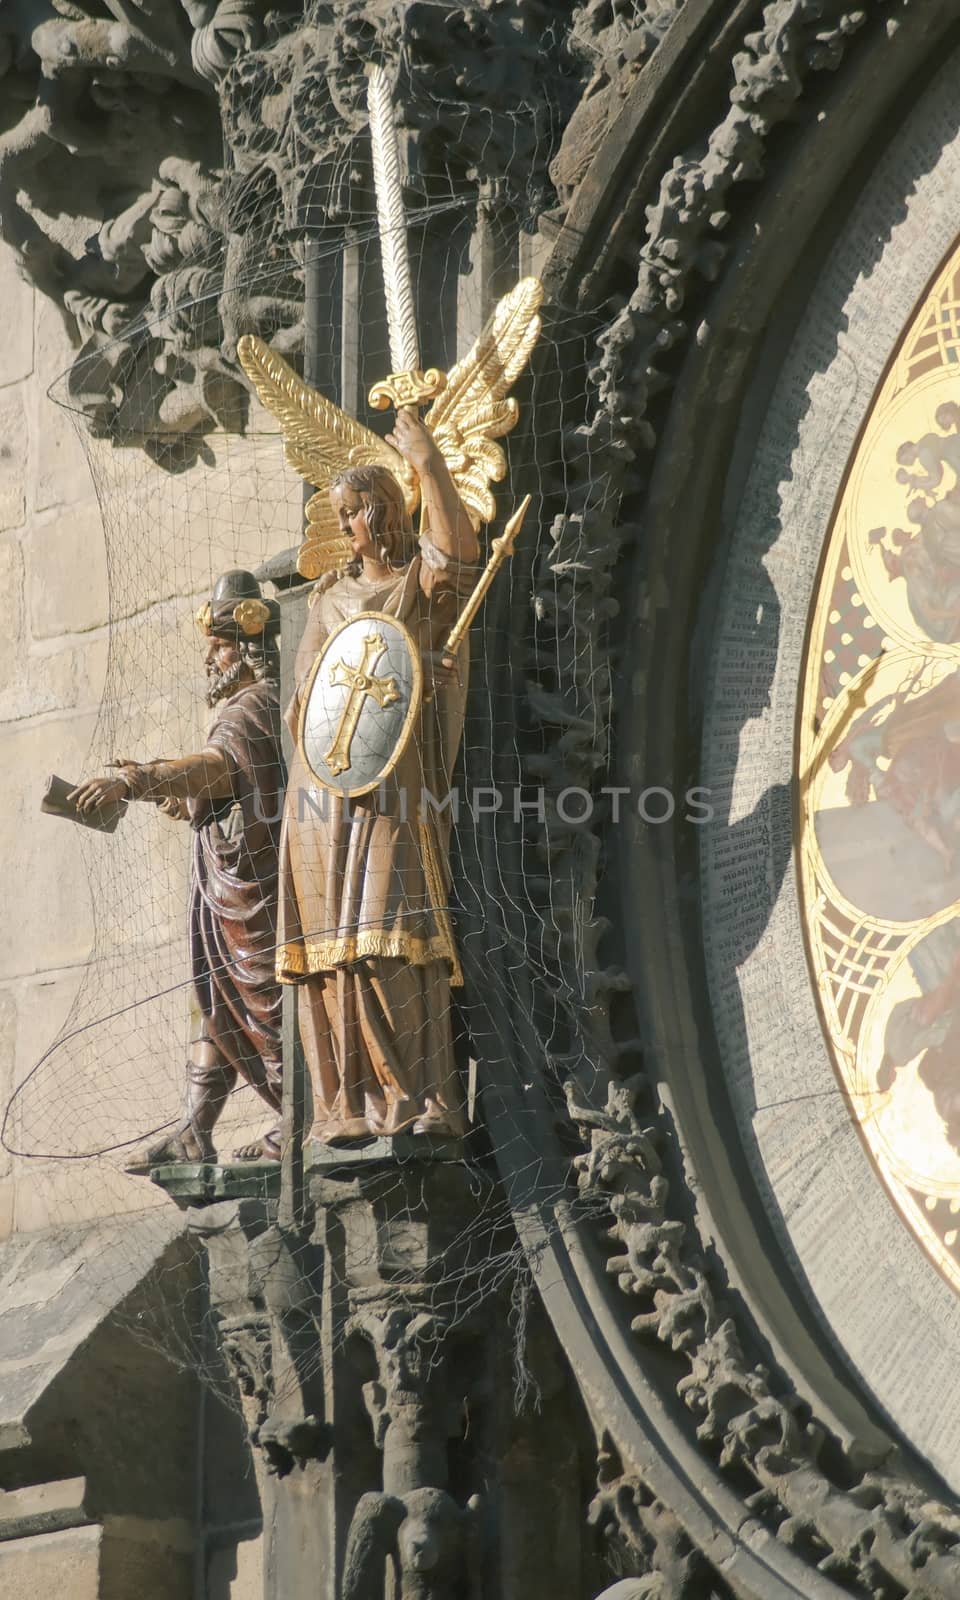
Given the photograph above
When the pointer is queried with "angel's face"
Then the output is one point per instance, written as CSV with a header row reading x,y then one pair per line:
x,y
353,515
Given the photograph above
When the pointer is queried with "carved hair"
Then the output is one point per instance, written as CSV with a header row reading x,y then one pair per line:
x,y
260,655
387,519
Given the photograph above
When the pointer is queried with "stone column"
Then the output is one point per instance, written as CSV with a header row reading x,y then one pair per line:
x,y
373,1347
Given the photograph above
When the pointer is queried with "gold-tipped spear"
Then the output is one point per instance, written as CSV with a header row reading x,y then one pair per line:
x,y
500,551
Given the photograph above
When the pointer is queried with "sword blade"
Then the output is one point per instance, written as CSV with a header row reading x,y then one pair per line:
x,y
392,225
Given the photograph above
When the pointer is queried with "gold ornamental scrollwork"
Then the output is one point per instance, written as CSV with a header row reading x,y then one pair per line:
x,y
407,389
879,778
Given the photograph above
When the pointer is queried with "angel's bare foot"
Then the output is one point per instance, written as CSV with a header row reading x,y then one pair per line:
x,y
265,1149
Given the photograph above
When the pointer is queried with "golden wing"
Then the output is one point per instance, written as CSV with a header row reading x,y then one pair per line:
x,y
475,408
319,441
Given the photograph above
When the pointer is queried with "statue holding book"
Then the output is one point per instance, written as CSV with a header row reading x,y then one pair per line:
x,y
230,791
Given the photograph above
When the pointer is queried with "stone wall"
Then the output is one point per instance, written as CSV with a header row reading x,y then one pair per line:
x,y
75,657
65,502
53,653
120,1473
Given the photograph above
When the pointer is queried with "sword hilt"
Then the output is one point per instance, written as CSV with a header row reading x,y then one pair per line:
x,y
407,389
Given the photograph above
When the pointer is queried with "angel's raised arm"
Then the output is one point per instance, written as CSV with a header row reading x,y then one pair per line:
x,y
444,517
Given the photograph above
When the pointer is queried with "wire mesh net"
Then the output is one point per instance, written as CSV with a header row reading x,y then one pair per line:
x,y
207,491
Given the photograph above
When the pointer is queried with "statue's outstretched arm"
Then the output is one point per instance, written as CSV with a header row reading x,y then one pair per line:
x,y
205,775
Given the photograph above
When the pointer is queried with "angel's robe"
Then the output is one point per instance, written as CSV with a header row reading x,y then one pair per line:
x,y
365,924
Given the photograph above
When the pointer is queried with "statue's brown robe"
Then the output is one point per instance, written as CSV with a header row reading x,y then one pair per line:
x,y
233,907
365,888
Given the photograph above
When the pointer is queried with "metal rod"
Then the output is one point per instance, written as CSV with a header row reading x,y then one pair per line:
x,y
293,1184
349,396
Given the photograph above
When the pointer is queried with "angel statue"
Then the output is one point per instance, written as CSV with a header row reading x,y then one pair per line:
x,y
377,713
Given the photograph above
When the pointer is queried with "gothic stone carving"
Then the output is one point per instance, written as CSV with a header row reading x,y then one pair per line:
x,y
158,167
640,1534
432,1546
610,45
246,1345
429,1343
876,1532
264,1298
414,1525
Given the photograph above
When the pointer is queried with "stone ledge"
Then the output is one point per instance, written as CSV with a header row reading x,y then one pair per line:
x,y
65,1563
43,1508
198,1183
397,1149
193,1183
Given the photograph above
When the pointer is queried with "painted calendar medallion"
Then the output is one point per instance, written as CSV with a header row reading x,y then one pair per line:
x,y
879,758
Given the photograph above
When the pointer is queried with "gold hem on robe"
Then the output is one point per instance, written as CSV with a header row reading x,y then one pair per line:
x,y
306,960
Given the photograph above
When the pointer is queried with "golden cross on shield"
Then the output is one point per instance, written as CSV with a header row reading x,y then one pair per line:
x,y
361,682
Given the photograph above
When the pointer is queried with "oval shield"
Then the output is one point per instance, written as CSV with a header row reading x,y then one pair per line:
x,y
360,703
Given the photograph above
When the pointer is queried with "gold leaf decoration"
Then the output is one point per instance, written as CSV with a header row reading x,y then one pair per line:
x,y
475,408
319,441
251,616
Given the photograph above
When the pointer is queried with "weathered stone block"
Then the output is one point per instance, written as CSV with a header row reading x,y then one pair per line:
x,y
146,1565
50,924
11,587
45,1192
69,679
62,475
65,1563
67,572
16,297
31,1014
235,1572
13,459
8,1046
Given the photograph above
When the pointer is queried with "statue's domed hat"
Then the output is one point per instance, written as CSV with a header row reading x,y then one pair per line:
x,y
237,609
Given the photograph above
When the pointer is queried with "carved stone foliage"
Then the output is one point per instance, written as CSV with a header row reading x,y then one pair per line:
x,y
874,1531
639,1534
609,42
683,246
246,1344
109,150
159,163
406,1341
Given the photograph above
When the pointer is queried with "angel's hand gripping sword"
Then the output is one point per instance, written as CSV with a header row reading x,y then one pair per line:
x,y
472,407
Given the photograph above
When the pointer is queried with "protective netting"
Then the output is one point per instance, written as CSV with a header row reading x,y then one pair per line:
x,y
181,507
